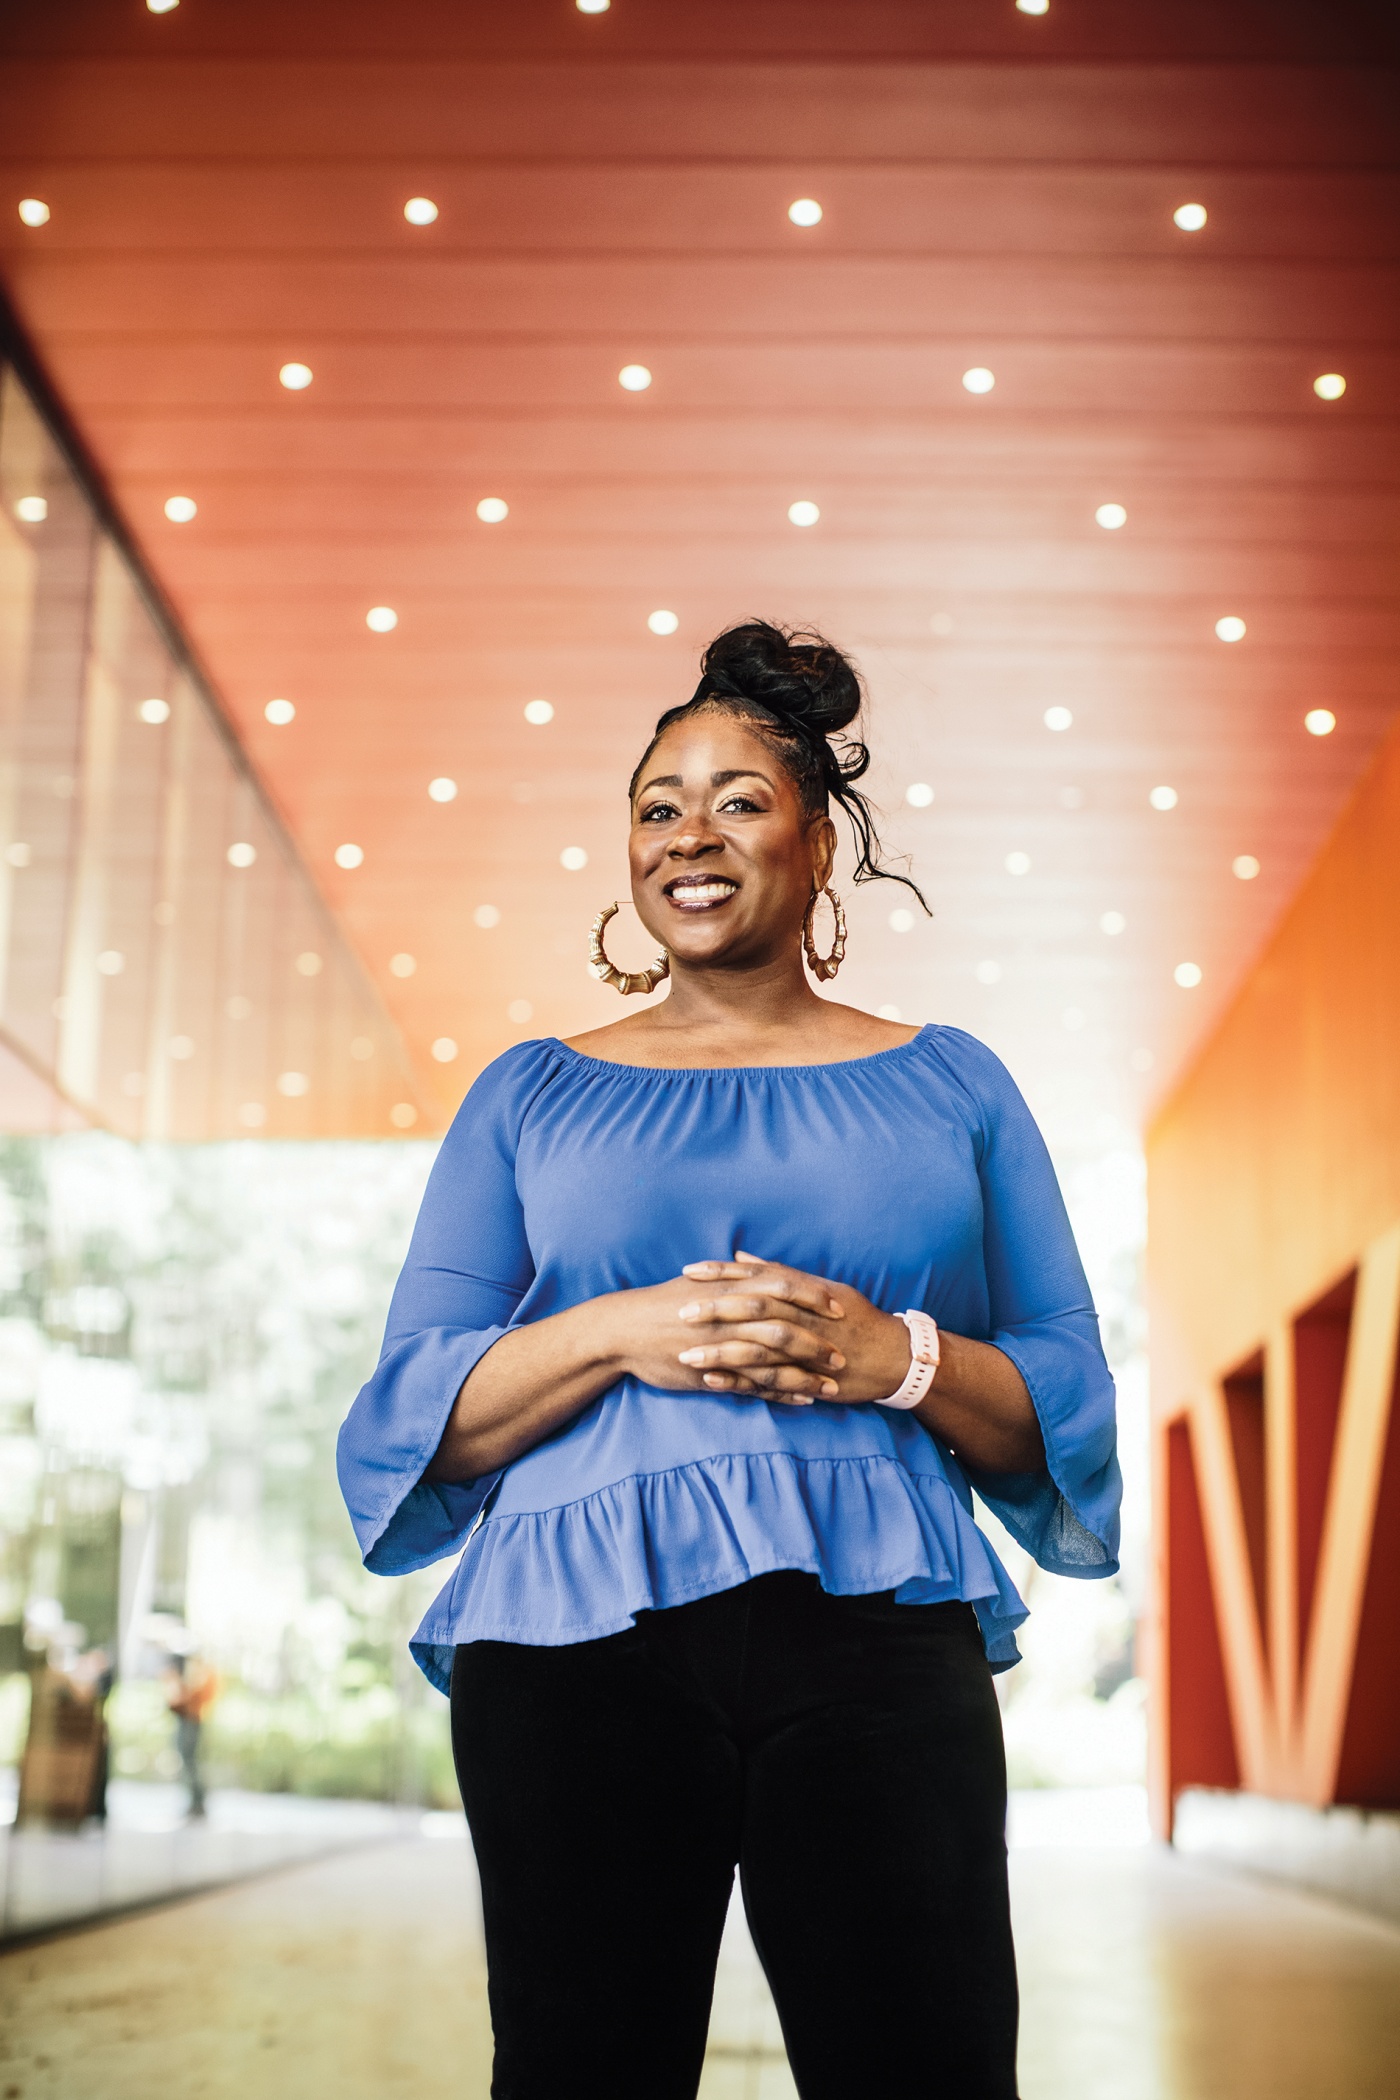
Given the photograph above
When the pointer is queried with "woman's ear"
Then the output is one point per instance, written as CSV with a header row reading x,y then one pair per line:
x,y
823,852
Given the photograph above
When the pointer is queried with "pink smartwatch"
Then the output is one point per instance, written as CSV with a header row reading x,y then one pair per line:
x,y
923,1360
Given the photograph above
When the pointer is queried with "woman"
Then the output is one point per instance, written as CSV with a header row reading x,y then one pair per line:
x,y
710,1319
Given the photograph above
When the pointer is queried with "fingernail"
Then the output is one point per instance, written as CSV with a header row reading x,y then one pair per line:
x,y
691,1356
689,1312
837,1309
698,1268
829,1389
803,1399
716,1378
836,1361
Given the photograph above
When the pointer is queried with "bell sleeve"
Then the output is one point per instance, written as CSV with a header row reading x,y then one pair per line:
x,y
468,1267
1042,1316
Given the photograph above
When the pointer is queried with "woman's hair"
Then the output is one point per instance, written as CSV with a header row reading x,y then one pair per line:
x,y
800,693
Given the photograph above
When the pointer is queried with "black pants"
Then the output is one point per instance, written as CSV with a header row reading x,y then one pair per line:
x,y
845,1752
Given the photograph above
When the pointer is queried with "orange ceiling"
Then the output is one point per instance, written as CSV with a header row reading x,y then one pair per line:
x,y
226,184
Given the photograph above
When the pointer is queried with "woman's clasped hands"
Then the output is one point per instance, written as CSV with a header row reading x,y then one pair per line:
x,y
764,1329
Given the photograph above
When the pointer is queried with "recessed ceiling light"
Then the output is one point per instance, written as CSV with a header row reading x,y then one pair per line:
x,y
1071,798
241,854
444,1050
32,510
180,509
293,1085
381,619
361,1048
941,623
252,1115
901,921
280,712
539,712
918,794
520,1011
486,916
988,973
111,962
1231,628
1244,866
420,211
295,378
805,211
803,513
403,965
403,1115
978,380
592,7
1018,864
1190,217
154,710
1188,975
239,1007
1163,797
309,963
34,211
492,510
888,1013
635,378
1112,922
181,1047
573,858
161,7
1032,7
19,854
1111,516
1058,718
1319,721
663,622
1329,386
349,856
442,789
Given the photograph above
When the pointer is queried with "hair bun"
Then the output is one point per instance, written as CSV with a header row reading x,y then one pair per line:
x,y
794,672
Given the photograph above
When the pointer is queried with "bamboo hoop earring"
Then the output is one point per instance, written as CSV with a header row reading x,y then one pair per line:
x,y
624,981
825,966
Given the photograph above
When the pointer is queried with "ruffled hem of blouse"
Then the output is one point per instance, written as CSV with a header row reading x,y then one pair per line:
x,y
553,1577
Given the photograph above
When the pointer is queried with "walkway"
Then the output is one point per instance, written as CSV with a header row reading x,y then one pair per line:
x,y
360,1977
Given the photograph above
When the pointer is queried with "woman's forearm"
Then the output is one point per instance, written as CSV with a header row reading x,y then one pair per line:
x,y
528,1384
979,1404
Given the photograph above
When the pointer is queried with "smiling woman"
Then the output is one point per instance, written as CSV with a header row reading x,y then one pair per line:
x,y
712,1320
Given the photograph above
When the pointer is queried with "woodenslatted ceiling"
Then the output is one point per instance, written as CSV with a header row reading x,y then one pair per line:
x,y
226,188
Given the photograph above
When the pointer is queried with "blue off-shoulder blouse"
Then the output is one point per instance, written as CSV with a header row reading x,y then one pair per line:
x,y
917,1175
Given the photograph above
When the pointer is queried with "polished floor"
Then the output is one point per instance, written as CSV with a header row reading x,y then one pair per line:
x,y
1145,1978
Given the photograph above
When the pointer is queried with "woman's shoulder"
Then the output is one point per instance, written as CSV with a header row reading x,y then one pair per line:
x,y
973,1067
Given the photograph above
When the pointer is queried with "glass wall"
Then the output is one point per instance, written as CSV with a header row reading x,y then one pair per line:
x,y
166,968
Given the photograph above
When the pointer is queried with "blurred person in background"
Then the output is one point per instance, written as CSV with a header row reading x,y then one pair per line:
x,y
192,1688
712,1320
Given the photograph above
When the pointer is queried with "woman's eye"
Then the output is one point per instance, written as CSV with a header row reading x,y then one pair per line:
x,y
739,802
656,810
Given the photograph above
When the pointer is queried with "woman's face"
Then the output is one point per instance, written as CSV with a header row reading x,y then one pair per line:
x,y
724,858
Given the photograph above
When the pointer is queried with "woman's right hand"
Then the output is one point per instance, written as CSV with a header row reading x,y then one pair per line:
x,y
538,1377
656,1337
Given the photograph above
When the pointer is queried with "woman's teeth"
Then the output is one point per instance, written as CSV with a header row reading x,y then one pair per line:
x,y
692,894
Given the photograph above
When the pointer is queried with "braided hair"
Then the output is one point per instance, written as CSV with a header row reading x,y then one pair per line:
x,y
800,693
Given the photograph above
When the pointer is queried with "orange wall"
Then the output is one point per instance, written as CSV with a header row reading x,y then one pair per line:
x,y
1274,1267
1278,1158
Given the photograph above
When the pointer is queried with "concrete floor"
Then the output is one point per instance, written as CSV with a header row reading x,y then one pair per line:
x,y
1144,1979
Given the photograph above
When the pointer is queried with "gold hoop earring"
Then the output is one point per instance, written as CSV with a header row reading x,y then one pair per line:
x,y
825,966
624,981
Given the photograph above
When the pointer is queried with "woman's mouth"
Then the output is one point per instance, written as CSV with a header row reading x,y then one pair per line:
x,y
701,893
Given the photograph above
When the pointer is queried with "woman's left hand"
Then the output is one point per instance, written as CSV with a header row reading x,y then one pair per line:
x,y
742,1320
978,1402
